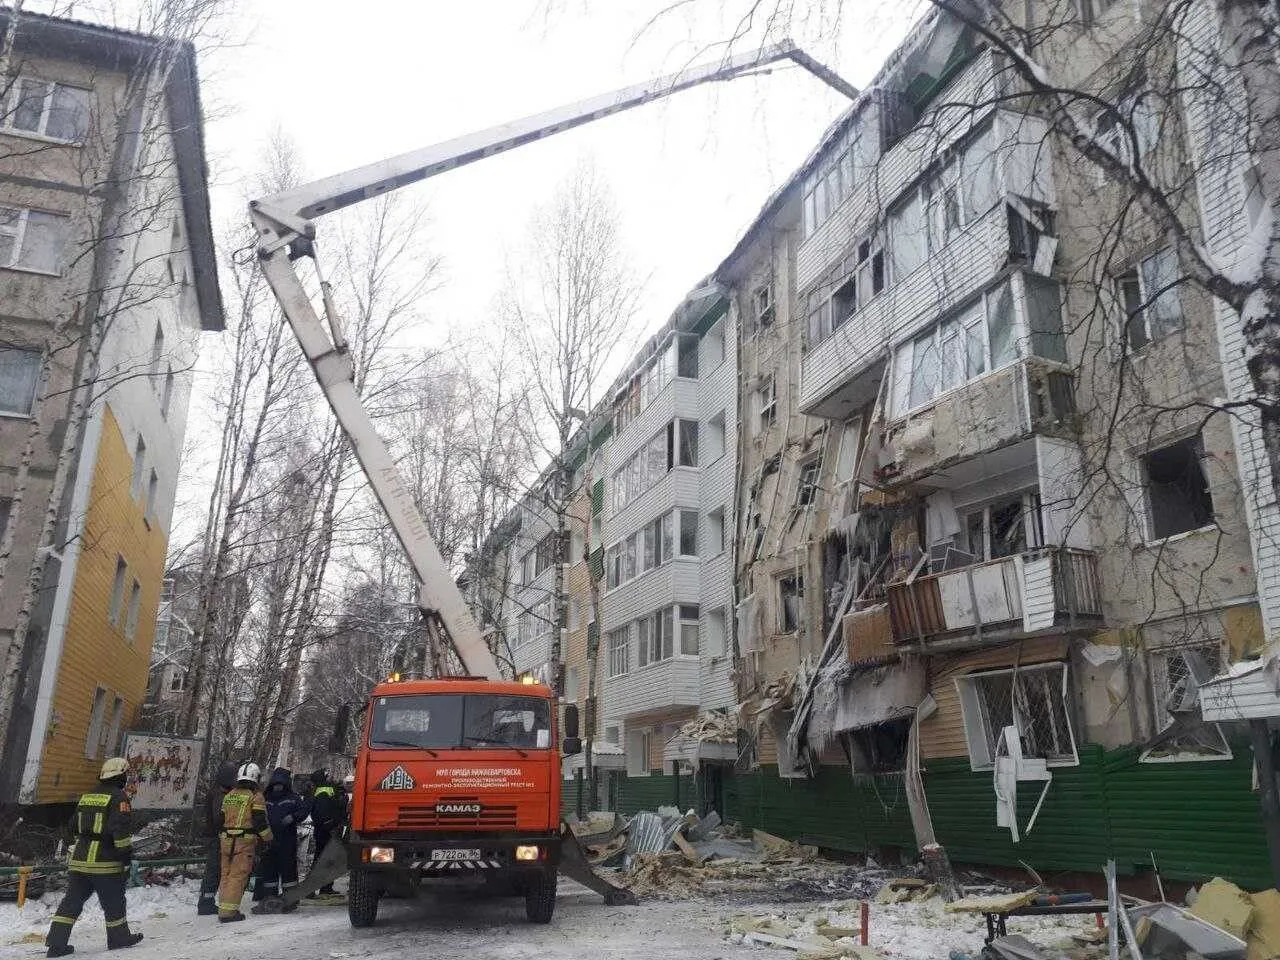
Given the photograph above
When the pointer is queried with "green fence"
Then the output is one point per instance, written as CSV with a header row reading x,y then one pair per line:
x,y
1198,819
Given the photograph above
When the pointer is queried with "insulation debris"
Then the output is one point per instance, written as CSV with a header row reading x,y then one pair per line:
x,y
711,728
1226,906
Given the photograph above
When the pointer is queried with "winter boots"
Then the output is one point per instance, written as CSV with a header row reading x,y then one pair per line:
x,y
231,917
123,939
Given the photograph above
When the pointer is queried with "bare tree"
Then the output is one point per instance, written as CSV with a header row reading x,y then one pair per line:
x,y
130,191
570,303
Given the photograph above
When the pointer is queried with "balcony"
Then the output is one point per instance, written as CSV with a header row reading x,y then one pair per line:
x,y
842,373
1040,591
994,412
666,684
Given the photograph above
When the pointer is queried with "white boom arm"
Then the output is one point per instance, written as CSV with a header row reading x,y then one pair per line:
x,y
285,229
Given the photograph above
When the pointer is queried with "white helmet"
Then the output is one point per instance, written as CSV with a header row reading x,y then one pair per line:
x,y
114,767
249,773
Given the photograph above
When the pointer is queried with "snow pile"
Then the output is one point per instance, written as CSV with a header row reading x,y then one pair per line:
x,y
178,897
910,931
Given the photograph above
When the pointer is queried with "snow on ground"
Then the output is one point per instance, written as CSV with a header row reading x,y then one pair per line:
x,y
495,929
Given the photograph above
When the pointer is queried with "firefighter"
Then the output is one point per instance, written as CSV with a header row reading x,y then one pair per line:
x,y
328,814
103,827
242,825
278,865
223,781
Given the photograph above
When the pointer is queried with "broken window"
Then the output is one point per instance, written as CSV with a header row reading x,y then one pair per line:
x,y
807,488
1178,497
1044,317
1149,297
882,747
907,237
1031,699
19,377
790,603
766,404
1176,673
847,456
1005,528
687,357
844,301
762,304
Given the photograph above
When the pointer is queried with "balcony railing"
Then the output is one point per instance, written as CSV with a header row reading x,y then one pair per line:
x,y
998,600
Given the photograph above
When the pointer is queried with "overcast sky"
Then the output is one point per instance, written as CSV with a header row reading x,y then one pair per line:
x,y
350,83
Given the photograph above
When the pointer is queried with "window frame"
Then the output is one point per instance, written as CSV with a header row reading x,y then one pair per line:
x,y
1135,277
19,235
116,609
35,387
798,578
975,714
1149,534
766,404
97,721
808,482
619,651
9,109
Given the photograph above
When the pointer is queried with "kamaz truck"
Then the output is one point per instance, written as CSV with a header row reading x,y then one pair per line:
x,y
453,776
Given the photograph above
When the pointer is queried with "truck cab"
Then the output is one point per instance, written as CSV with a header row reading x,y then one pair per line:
x,y
457,779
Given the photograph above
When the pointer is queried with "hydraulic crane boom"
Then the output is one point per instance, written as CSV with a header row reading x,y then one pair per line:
x,y
286,230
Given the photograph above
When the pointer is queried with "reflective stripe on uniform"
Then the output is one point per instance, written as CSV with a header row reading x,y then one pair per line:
x,y
95,800
324,791
111,924
69,921
106,867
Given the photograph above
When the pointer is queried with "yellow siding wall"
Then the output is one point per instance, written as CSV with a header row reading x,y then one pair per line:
x,y
942,735
96,653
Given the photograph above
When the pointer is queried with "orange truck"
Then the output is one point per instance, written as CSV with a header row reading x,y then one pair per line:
x,y
457,780
461,776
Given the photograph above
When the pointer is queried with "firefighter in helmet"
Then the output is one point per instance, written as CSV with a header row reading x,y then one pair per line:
x,y
242,826
103,827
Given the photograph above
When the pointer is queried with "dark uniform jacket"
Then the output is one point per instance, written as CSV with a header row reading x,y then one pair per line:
x,y
328,807
103,827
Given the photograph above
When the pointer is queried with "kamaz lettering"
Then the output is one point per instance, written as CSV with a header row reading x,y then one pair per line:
x,y
458,808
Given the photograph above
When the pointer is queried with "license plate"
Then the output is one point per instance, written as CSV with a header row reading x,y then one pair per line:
x,y
455,854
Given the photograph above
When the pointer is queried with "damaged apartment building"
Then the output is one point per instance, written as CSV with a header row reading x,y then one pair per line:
x,y
648,586
991,531
919,527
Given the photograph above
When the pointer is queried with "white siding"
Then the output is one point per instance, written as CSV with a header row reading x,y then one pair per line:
x,y
1214,116
717,393
944,281
669,683
905,162
676,581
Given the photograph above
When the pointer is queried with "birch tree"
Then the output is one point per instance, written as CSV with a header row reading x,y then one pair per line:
x,y
569,302
129,189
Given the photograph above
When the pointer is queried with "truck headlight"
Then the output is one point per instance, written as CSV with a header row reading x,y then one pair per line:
x,y
382,854
527,853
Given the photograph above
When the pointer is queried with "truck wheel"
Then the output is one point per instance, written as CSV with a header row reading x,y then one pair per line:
x,y
362,900
540,897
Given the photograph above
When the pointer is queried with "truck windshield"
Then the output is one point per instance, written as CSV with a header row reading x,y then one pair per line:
x,y
439,721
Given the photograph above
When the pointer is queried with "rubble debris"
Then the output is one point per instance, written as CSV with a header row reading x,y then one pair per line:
x,y
685,847
992,903
1167,931
1015,947
705,828
1226,906
711,728
902,889
1264,935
